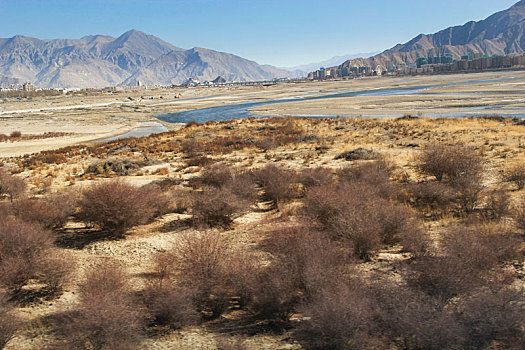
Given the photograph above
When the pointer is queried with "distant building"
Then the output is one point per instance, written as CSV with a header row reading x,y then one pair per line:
x,y
28,87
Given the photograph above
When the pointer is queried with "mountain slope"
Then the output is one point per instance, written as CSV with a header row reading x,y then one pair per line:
x,y
99,61
501,33
203,64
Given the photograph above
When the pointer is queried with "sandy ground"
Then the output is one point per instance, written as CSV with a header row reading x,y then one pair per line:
x,y
96,115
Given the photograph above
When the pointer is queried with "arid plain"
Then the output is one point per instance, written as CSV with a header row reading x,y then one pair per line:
x,y
279,172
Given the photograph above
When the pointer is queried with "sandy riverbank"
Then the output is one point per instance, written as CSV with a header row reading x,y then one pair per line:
x,y
96,116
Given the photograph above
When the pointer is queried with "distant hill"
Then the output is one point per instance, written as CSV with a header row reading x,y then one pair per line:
x,y
334,61
500,34
99,61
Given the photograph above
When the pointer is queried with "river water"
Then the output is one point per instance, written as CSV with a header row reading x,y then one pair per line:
x,y
241,110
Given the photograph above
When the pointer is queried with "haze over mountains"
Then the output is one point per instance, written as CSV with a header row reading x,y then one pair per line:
x,y
502,33
99,61
334,61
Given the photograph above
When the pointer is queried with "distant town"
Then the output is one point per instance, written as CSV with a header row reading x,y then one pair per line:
x,y
425,65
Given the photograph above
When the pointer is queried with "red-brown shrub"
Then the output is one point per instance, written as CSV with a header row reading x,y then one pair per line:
x,y
467,259
107,317
414,320
341,318
357,214
204,263
116,206
170,304
376,174
312,258
312,177
516,174
214,207
276,183
451,162
494,316
9,322
11,185
22,246
50,213
431,197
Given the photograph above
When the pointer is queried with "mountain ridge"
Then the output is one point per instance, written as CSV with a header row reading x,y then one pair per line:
x,y
501,33
101,60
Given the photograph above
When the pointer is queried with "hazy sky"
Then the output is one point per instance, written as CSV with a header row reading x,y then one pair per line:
x,y
277,32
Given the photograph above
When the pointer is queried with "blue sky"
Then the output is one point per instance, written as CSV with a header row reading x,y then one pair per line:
x,y
277,32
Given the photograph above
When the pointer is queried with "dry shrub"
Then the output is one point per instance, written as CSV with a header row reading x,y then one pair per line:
x,y
22,246
467,259
497,205
356,213
494,318
116,206
434,198
180,199
9,322
376,174
312,177
312,257
303,263
115,166
241,183
276,183
11,185
50,213
107,317
169,304
340,318
516,174
449,162
217,175
217,207
15,134
205,264
415,320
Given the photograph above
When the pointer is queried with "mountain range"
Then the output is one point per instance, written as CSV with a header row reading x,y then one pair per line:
x,y
99,61
502,33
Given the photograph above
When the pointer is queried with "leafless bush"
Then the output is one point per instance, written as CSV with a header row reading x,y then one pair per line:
x,y
22,246
116,206
376,174
217,175
414,320
312,177
494,316
204,263
451,162
431,197
356,213
11,185
180,199
9,323
516,174
50,213
170,304
497,205
241,183
276,183
107,317
468,259
276,293
313,260
214,207
341,318
15,134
